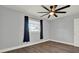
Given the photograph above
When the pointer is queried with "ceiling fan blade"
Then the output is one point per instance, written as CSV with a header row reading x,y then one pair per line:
x,y
55,15
42,12
45,8
48,16
63,8
45,14
60,12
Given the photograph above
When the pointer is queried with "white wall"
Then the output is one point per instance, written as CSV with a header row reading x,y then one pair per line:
x,y
62,29
12,29
46,29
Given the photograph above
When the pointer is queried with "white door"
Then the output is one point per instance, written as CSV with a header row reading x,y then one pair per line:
x,y
76,32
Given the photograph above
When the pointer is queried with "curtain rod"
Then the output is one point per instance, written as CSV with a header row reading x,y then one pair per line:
x,y
34,18
31,17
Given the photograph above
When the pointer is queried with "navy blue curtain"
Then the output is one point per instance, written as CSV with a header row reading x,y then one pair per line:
x,y
41,29
26,29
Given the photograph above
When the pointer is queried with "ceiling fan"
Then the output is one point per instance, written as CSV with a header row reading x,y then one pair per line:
x,y
52,11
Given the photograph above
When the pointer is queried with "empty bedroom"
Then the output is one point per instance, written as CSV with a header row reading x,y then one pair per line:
x,y
39,28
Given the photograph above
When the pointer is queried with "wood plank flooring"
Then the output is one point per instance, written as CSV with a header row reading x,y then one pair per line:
x,y
47,47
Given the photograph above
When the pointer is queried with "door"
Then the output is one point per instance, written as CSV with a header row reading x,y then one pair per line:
x,y
76,32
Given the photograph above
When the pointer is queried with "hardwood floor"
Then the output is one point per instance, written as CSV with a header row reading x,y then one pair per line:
x,y
47,47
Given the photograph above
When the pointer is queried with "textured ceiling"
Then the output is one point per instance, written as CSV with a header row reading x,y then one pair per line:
x,y
33,9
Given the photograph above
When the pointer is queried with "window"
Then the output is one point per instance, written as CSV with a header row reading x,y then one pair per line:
x,y
34,26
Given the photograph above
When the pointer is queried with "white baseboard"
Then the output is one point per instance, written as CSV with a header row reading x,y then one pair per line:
x,y
63,42
77,45
24,45
73,44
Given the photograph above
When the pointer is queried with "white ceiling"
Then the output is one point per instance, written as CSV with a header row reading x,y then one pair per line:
x,y
33,9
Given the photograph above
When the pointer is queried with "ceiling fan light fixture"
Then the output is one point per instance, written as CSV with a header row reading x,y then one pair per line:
x,y
51,13
53,10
